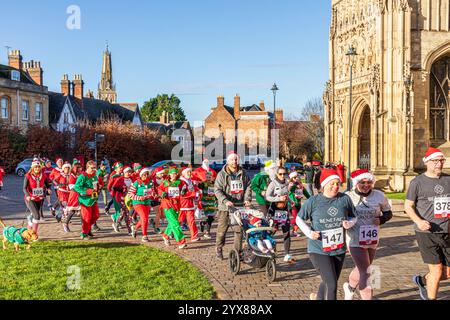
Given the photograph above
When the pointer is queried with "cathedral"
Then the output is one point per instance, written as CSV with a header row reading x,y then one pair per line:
x,y
400,86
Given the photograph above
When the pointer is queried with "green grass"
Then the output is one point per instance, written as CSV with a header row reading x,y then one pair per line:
x,y
396,196
114,271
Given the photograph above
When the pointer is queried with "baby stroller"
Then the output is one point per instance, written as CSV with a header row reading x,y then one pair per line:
x,y
252,256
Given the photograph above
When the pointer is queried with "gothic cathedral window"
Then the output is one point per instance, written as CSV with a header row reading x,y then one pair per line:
x,y
439,95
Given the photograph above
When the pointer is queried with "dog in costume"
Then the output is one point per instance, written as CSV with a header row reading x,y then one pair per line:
x,y
17,236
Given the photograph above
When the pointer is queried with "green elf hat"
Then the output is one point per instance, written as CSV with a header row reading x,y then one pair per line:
x,y
75,161
117,165
173,170
136,166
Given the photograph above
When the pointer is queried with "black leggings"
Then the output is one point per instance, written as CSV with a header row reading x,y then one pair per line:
x,y
329,268
35,208
209,220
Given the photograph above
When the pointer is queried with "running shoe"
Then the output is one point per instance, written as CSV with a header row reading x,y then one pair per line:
x,y
158,230
83,236
166,240
90,235
184,227
207,236
30,220
418,281
133,231
145,239
219,254
288,258
95,227
107,211
348,291
182,246
195,239
115,227
66,227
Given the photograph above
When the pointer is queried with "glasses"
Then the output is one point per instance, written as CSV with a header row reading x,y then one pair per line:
x,y
366,182
282,173
437,161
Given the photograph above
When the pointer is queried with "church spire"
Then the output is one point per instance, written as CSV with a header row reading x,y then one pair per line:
x,y
107,88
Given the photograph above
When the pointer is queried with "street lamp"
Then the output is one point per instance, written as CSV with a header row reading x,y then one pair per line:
x,y
274,90
98,137
351,54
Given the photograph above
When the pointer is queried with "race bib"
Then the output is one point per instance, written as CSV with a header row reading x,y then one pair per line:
x,y
174,192
237,186
298,193
368,235
441,207
147,192
38,192
332,239
280,216
210,191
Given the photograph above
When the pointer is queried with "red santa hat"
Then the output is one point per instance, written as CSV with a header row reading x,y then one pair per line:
x,y
159,170
126,169
59,159
185,169
66,165
143,171
361,174
432,153
327,175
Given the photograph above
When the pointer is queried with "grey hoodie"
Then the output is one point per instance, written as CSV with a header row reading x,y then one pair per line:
x,y
222,188
276,189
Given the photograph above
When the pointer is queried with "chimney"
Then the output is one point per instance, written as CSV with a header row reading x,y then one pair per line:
x,y
261,106
65,85
162,117
220,101
90,94
33,68
237,106
78,85
279,116
15,59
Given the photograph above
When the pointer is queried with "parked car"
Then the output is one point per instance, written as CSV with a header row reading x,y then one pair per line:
x,y
24,166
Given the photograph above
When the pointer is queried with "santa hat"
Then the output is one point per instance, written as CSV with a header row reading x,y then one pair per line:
x,y
327,175
432,153
66,165
59,159
136,166
361,174
143,171
269,165
293,175
185,169
159,170
35,163
126,169
231,155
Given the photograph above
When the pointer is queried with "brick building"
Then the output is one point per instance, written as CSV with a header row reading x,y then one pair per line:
x,y
23,98
247,126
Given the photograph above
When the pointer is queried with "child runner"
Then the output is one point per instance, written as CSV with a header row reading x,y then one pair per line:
x,y
115,194
62,183
188,194
208,203
296,194
73,205
121,186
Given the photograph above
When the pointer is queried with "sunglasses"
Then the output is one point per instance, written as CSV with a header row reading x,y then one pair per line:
x,y
282,173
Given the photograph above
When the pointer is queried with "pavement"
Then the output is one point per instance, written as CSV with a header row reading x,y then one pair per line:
x,y
397,258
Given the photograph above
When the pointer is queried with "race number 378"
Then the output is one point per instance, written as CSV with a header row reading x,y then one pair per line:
x,y
332,239
441,207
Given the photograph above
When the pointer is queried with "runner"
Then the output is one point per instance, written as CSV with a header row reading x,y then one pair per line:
x,y
259,186
2,174
296,193
207,203
47,171
372,211
142,193
187,209
120,186
35,188
427,204
117,174
137,167
158,179
87,186
309,178
277,196
329,213
104,175
62,182
232,189
73,206
170,191
54,176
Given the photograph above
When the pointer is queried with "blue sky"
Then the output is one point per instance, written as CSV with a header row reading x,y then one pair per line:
x,y
196,49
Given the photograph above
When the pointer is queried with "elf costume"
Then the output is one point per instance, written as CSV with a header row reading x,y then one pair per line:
x,y
115,194
170,193
187,208
208,203
120,186
87,187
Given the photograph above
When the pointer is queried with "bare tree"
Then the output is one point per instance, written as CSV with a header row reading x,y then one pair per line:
x,y
312,114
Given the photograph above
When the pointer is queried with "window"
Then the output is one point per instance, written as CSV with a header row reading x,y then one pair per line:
x,y
4,104
38,107
66,118
25,109
440,86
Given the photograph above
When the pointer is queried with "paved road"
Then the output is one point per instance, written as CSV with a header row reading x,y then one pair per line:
x,y
397,259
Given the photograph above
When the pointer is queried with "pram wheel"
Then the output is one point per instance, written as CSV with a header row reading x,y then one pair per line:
x,y
271,270
234,262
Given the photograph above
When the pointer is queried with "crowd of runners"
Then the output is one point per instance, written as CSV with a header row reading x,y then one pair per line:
x,y
334,223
